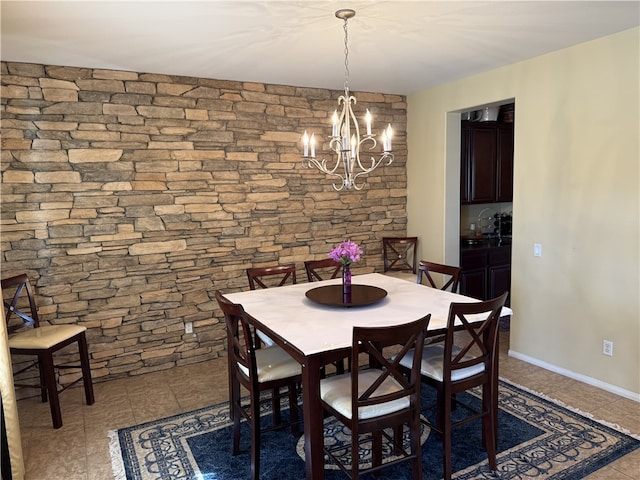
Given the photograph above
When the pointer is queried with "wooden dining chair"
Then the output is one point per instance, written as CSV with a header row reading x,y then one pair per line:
x,y
272,276
460,363
400,254
258,370
323,269
28,337
379,396
267,277
449,273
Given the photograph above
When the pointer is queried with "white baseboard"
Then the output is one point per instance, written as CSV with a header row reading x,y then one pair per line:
x,y
576,376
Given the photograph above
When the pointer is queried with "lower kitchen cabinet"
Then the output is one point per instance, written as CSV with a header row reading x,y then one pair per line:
x,y
486,271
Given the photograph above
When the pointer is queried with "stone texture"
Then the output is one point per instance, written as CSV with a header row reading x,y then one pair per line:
x,y
129,198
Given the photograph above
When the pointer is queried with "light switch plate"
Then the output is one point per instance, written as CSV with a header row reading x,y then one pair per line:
x,y
537,249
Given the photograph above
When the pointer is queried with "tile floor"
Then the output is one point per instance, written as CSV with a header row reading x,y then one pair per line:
x,y
80,449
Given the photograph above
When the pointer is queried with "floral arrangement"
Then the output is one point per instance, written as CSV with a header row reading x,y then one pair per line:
x,y
346,253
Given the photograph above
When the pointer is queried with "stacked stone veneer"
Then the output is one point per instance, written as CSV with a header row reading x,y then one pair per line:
x,y
129,198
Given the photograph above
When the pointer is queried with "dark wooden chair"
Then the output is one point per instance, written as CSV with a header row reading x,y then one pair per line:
x,y
258,371
325,269
274,276
450,273
467,358
322,269
28,337
379,396
267,277
400,254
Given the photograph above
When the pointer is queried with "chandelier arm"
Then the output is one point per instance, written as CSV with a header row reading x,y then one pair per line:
x,y
375,164
374,143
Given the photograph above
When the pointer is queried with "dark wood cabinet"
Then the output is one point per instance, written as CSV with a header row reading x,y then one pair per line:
x,y
486,271
504,163
486,168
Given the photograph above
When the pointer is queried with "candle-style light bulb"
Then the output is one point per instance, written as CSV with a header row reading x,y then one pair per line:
x,y
305,143
313,145
383,138
334,131
367,119
353,146
389,136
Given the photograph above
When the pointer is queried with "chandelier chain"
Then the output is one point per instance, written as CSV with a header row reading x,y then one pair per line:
x,y
346,56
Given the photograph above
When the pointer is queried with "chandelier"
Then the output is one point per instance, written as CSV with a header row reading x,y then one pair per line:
x,y
348,163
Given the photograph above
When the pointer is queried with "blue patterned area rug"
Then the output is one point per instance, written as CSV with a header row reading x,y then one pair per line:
x,y
538,439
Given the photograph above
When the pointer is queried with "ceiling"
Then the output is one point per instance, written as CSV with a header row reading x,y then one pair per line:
x,y
394,46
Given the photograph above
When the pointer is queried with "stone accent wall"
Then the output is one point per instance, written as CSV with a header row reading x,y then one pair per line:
x,y
129,198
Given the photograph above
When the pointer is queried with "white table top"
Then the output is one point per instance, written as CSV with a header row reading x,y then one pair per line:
x,y
314,328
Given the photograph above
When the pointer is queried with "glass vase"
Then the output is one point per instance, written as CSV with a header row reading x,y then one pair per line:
x,y
346,283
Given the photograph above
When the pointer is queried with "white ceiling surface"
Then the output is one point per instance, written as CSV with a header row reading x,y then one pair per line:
x,y
394,46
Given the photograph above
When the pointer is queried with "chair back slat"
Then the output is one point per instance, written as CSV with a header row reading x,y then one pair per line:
x,y
451,274
19,301
472,331
318,270
240,338
278,276
400,253
372,341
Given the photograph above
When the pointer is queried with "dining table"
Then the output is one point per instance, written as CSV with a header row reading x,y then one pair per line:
x,y
314,323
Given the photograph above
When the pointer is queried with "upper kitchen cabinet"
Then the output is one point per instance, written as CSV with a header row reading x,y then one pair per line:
x,y
486,162
504,163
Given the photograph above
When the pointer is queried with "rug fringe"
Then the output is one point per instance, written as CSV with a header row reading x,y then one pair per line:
x,y
588,415
117,464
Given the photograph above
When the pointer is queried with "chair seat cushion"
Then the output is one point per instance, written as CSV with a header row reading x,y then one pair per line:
x,y
44,337
267,340
432,363
336,392
273,363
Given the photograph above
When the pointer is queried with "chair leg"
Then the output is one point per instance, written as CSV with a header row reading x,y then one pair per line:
x,y
255,439
488,426
235,412
415,429
86,369
397,439
275,406
446,436
293,410
43,381
355,456
376,450
234,396
52,389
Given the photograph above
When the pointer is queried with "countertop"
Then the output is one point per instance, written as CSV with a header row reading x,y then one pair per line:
x,y
484,242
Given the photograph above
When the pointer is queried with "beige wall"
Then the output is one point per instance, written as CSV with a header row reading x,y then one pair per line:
x,y
576,191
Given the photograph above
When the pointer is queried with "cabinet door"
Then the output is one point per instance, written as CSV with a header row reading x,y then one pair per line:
x,y
464,163
473,277
499,280
504,164
482,162
473,282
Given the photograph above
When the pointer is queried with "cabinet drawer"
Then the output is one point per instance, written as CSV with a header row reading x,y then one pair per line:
x,y
473,259
500,256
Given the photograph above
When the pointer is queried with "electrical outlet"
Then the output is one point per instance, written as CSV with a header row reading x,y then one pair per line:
x,y
607,348
188,327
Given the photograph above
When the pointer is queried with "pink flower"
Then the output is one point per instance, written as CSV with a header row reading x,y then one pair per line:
x,y
346,253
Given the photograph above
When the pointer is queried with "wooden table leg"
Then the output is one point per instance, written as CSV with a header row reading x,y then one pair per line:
x,y
313,420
